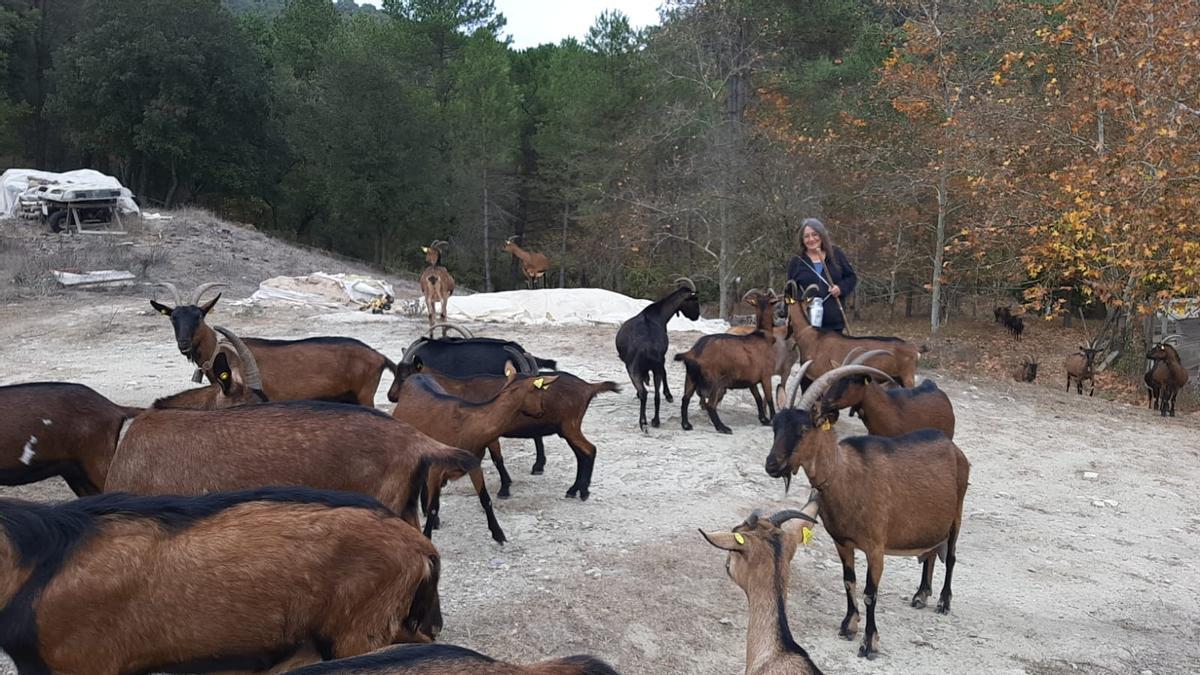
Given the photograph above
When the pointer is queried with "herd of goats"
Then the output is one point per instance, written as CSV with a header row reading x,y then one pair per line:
x,y
269,519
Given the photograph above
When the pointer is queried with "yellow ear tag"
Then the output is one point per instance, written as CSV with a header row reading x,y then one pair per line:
x,y
424,249
790,301
224,376
737,536
805,536
540,383
826,426
164,312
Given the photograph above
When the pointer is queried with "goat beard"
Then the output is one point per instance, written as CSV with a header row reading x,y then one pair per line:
x,y
787,482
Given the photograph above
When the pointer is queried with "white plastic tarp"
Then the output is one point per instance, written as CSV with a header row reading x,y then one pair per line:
x,y
562,307
321,289
15,181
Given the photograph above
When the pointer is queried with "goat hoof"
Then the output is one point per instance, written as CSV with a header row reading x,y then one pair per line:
x,y
504,494
918,601
686,426
670,398
943,606
725,430
583,495
571,491
846,633
537,471
866,652
654,423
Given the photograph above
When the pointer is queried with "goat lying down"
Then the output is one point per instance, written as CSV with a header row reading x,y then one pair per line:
x,y
117,584
450,660
883,496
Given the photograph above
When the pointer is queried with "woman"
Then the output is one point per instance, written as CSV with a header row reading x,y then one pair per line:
x,y
825,265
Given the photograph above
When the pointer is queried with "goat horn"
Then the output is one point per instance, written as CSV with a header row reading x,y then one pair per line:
x,y
406,357
437,242
865,356
203,288
451,326
690,284
752,291
250,374
1171,339
850,354
813,288
782,517
791,288
524,364
174,291
825,381
796,383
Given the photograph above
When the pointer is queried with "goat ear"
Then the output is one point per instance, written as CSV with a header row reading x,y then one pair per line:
x,y
544,381
222,373
207,307
726,541
161,308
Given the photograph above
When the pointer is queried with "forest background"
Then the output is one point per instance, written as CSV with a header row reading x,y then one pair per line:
x,y
1035,152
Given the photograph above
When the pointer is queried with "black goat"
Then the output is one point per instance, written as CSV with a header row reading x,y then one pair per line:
x,y
642,343
465,356
1015,326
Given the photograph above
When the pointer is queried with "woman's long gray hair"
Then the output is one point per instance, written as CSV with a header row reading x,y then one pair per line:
x,y
826,243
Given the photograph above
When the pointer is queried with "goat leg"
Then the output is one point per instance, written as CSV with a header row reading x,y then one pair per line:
x,y
639,385
870,645
485,501
943,606
850,621
585,460
689,387
662,372
710,406
539,462
758,403
925,589
658,381
498,461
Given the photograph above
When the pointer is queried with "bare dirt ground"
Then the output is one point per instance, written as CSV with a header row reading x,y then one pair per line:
x,y
1077,553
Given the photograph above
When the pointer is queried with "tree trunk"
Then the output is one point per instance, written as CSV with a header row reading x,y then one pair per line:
x,y
168,200
562,254
939,254
487,247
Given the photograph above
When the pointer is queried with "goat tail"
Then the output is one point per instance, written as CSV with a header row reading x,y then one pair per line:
x,y
129,411
387,363
605,386
548,364
681,356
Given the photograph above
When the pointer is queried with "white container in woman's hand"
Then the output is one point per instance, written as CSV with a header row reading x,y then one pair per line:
x,y
816,311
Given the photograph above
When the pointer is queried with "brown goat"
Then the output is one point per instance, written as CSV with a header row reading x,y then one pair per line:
x,y
1026,371
883,496
1166,377
759,561
533,265
58,429
786,353
717,363
330,446
117,584
234,373
827,348
437,659
468,425
1081,367
888,411
564,409
436,283
318,369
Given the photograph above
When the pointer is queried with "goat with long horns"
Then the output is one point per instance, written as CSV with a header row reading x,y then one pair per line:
x,y
883,496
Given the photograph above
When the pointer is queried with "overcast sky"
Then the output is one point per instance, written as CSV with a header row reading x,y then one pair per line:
x,y
532,22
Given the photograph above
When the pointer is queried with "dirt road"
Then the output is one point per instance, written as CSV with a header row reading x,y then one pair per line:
x,y
1078,551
